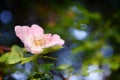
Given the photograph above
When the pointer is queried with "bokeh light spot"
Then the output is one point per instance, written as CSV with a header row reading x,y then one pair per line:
x,y
5,16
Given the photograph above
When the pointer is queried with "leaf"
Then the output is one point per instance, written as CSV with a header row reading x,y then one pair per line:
x,y
84,70
12,57
63,66
25,60
17,49
15,55
51,49
4,57
78,49
114,65
47,57
85,73
98,71
46,67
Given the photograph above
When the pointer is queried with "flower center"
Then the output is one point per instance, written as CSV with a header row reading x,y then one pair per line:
x,y
38,42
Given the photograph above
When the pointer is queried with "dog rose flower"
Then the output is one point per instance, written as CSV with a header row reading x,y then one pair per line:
x,y
35,40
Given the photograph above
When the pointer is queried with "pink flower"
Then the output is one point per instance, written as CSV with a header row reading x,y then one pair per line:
x,y
35,40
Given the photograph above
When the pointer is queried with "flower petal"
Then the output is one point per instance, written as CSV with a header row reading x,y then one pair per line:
x,y
36,30
56,38
22,32
47,38
36,50
52,40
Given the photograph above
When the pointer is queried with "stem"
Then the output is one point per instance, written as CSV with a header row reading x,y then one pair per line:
x,y
35,65
49,57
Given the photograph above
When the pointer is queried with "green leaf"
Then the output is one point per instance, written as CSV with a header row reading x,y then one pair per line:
x,y
114,65
17,49
77,49
25,60
15,56
63,66
85,74
51,49
12,57
48,57
98,71
46,67
4,57
84,70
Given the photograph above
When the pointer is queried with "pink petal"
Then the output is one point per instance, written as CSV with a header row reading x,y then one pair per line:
x,y
47,38
53,40
36,50
36,30
61,42
56,38
22,32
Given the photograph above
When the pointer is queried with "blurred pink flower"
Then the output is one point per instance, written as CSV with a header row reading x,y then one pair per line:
x,y
35,40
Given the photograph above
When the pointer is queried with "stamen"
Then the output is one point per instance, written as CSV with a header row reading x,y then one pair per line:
x,y
38,42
